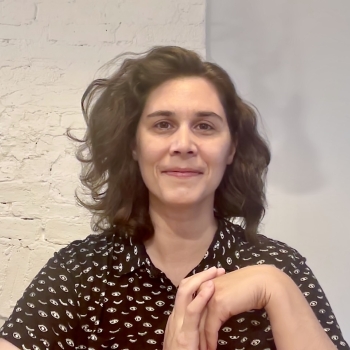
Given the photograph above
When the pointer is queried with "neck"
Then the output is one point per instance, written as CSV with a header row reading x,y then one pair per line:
x,y
181,237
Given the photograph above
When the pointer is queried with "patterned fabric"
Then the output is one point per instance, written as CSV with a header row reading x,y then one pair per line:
x,y
104,292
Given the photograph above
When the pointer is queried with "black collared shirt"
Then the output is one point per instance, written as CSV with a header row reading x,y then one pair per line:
x,y
104,292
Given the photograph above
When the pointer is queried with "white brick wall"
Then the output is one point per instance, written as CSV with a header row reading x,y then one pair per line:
x,y
49,52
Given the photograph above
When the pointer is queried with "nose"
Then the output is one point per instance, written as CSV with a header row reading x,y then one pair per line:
x,y
183,142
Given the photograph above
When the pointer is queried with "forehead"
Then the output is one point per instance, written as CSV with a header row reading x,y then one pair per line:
x,y
185,93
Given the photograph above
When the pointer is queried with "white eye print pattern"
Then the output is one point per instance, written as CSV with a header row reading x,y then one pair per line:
x,y
104,293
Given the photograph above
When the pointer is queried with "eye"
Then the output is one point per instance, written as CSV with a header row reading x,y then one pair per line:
x,y
163,125
69,342
42,328
62,327
227,329
42,313
55,314
255,342
205,127
64,288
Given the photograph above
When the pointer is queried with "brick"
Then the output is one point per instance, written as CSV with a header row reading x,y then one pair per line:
x,y
67,211
63,232
78,12
32,32
17,12
18,191
9,169
19,228
81,34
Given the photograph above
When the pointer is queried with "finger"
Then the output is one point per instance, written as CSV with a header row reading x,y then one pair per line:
x,y
196,308
211,329
202,338
220,272
188,287
202,335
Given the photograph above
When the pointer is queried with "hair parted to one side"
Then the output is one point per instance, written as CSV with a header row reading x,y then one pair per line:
x,y
112,108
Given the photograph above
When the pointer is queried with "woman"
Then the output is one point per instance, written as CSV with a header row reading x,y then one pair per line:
x,y
171,154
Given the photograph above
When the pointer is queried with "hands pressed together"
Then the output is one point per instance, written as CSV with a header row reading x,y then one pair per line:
x,y
208,299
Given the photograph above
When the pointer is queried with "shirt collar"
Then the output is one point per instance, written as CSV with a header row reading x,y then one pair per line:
x,y
129,256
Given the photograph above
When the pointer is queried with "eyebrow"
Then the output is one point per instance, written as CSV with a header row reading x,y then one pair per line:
x,y
200,114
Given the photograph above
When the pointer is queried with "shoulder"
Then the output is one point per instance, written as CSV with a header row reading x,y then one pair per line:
x,y
265,251
273,252
94,252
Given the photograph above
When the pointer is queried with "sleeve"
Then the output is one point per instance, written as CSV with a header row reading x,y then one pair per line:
x,y
310,287
46,315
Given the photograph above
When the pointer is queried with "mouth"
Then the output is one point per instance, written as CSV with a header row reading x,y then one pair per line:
x,y
182,173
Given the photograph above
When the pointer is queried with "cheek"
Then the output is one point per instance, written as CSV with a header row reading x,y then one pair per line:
x,y
148,155
217,156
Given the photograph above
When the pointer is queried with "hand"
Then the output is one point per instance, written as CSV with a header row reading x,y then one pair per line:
x,y
236,292
182,329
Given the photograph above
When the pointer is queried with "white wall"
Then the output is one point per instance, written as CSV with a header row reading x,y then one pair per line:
x,y
291,59
49,52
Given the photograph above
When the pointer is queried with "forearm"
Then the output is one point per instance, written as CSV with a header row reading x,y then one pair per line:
x,y
294,324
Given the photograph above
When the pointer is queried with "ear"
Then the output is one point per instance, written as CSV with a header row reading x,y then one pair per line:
x,y
232,151
134,154
133,149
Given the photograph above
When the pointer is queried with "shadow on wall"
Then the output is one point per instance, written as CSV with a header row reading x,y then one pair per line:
x,y
295,166
261,49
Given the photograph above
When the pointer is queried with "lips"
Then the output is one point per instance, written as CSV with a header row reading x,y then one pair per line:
x,y
182,172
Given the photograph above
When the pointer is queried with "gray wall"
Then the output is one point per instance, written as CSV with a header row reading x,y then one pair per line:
x,y
291,59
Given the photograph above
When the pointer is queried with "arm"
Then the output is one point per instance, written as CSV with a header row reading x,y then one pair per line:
x,y
47,312
294,324
6,345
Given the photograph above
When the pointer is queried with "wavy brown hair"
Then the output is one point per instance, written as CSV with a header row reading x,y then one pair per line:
x,y
112,108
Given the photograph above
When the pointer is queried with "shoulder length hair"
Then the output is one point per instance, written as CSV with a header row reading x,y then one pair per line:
x,y
118,197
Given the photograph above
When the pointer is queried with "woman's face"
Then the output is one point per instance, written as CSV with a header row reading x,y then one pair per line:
x,y
183,142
